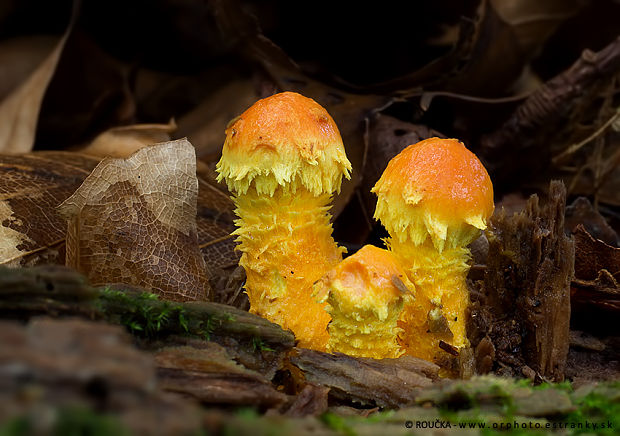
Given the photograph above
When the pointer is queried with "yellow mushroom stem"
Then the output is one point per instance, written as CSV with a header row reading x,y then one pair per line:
x,y
439,311
286,244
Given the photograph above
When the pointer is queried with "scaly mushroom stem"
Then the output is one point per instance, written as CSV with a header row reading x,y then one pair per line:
x,y
439,311
287,245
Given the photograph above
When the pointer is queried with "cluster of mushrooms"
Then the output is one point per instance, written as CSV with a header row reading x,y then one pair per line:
x,y
283,159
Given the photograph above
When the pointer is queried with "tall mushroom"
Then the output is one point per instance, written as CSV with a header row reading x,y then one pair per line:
x,y
434,198
283,158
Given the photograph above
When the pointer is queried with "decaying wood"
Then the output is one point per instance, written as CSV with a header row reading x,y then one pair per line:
x,y
49,281
28,292
527,286
211,376
311,401
45,290
385,383
525,135
69,362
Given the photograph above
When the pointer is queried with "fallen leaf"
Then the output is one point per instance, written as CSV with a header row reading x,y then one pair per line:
x,y
90,93
19,111
582,212
19,57
593,255
32,232
533,21
601,293
124,140
134,221
31,186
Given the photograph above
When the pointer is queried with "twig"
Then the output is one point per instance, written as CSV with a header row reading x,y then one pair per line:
x,y
576,147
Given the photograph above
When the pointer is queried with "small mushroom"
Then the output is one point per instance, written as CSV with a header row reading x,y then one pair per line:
x,y
365,294
434,198
283,158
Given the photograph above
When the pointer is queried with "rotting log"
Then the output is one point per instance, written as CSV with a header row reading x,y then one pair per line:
x,y
383,383
45,290
56,290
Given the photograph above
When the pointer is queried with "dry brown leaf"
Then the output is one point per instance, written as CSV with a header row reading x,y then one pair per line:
x,y
31,186
19,57
124,140
582,212
534,21
133,221
215,224
19,110
600,294
32,232
593,255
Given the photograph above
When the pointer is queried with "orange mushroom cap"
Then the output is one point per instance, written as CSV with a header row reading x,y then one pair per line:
x,y
369,280
435,188
284,140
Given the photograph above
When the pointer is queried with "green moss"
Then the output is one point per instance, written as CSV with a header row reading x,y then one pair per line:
x,y
68,421
84,422
16,427
337,423
602,407
145,315
259,345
